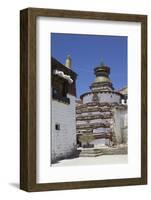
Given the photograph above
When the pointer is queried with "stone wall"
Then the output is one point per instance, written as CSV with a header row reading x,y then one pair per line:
x,y
63,141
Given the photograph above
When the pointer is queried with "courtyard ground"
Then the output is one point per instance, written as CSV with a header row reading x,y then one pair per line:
x,y
103,159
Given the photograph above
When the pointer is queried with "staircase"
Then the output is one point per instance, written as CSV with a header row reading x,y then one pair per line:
x,y
90,152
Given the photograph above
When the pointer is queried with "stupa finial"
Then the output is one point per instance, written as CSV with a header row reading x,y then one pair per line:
x,y
101,64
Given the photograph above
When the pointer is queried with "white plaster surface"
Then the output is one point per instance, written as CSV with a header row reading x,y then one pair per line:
x,y
63,141
109,97
103,97
87,98
120,125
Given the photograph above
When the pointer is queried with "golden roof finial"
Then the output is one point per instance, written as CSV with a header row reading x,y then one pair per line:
x,y
68,61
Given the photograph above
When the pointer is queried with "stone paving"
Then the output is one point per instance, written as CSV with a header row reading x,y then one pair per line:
x,y
103,159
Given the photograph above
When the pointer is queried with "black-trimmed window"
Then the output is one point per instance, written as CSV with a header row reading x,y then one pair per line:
x,y
60,90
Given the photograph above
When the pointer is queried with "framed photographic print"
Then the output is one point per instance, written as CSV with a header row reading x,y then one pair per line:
x,y
83,99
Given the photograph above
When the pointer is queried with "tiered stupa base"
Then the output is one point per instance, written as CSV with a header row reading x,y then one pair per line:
x,y
96,118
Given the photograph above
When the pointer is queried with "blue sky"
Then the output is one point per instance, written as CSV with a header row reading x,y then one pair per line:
x,y
87,52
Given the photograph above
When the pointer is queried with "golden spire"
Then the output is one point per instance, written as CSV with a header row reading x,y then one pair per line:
x,y
68,61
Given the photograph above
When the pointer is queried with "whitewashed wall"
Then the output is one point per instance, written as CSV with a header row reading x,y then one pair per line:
x,y
63,141
109,97
103,97
87,98
120,125
124,127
